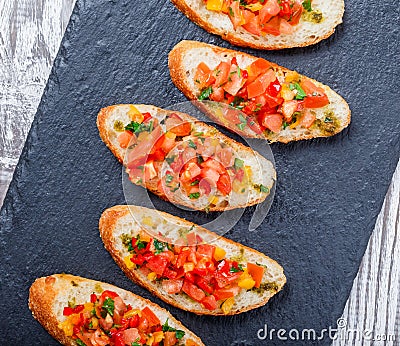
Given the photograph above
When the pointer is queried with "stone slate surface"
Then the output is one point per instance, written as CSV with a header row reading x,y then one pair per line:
x,y
329,191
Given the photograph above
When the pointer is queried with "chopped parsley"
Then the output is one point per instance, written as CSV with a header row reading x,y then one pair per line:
x,y
231,12
264,188
243,122
237,269
133,126
307,5
301,94
238,163
193,183
170,159
179,334
236,102
169,178
80,342
205,94
107,308
140,244
159,246
194,195
191,144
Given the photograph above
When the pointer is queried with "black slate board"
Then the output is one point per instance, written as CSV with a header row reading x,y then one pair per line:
x,y
328,195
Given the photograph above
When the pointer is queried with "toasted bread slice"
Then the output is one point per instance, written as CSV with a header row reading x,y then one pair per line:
x,y
306,33
117,224
256,186
186,56
49,295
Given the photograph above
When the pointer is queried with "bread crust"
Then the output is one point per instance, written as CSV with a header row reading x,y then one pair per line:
x,y
230,35
45,291
180,79
151,185
107,226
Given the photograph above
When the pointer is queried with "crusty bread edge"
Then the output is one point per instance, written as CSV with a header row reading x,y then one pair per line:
x,y
235,39
42,296
101,124
178,77
107,223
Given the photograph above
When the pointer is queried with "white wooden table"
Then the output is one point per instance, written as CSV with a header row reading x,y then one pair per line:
x,y
30,35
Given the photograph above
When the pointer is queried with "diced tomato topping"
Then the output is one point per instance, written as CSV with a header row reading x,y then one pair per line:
x,y
226,292
256,273
274,88
178,126
169,339
307,119
270,9
272,27
316,97
124,139
172,286
193,291
272,122
203,76
68,311
206,251
224,184
150,316
157,264
210,303
221,74
93,298
204,285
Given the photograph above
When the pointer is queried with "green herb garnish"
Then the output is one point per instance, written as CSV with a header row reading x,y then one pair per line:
x,y
193,183
80,342
191,144
170,159
301,94
194,195
205,94
178,333
236,270
307,5
169,178
238,163
159,246
133,126
107,308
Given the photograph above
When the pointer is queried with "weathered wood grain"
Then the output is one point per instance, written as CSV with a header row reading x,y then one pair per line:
x,y
30,34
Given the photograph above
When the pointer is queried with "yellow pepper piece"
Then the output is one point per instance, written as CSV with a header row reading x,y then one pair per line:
x,y
255,7
170,135
135,115
213,200
150,340
158,336
286,93
188,267
128,262
132,313
228,305
95,322
292,76
248,172
247,284
215,5
144,236
67,327
88,306
152,276
219,254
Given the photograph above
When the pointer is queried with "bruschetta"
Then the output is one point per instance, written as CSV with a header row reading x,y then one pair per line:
x,y
186,265
82,312
184,160
276,104
266,24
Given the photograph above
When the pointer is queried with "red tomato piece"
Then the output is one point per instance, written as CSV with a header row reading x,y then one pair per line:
x,y
203,76
172,286
235,14
235,81
124,139
307,119
193,291
206,250
93,298
177,126
272,122
217,95
270,9
169,339
316,97
221,73
285,28
150,316
259,66
272,27
274,88
130,335
68,311
224,184
157,264
210,303
226,292
204,285
256,273
252,25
